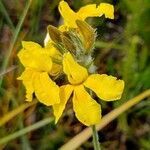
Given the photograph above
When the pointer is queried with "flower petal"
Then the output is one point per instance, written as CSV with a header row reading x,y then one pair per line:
x,y
68,14
76,74
106,87
56,69
30,45
63,28
65,93
87,110
88,11
107,10
46,90
34,56
28,76
54,54
93,11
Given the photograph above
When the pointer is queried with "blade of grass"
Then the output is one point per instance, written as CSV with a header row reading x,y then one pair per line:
x,y
6,15
26,130
15,112
24,138
20,125
14,38
36,12
79,139
8,70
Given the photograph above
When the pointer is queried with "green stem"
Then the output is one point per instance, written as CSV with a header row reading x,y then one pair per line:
x,y
95,138
122,123
122,119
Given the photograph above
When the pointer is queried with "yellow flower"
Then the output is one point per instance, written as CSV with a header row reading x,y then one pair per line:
x,y
90,10
87,110
38,65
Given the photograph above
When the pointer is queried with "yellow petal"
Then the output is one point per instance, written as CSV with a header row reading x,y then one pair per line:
x,y
55,55
46,90
107,10
34,56
106,87
68,14
53,52
56,69
65,93
88,11
87,110
93,11
76,74
63,28
28,76
30,45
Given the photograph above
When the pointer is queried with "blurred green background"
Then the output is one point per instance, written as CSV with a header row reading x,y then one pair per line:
x,y
122,49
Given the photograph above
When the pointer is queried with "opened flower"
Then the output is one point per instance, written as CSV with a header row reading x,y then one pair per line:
x,y
87,110
38,65
90,10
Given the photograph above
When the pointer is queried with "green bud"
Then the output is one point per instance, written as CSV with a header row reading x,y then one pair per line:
x,y
54,33
68,44
88,34
67,34
60,47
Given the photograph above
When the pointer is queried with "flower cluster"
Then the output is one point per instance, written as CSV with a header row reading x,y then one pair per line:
x,y
67,54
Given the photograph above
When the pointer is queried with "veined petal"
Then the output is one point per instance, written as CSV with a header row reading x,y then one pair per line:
x,y
46,90
68,14
65,93
34,56
106,87
87,110
76,74
107,10
27,77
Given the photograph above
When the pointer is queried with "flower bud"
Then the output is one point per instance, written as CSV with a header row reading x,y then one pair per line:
x,y
88,34
68,44
54,34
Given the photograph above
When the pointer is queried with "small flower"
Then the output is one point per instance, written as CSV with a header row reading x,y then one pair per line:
x,y
90,10
38,65
87,110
